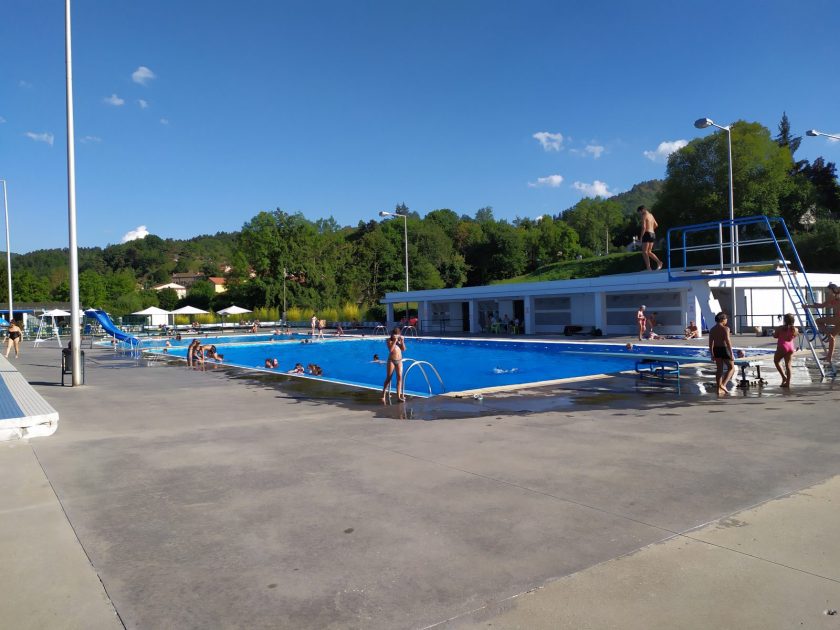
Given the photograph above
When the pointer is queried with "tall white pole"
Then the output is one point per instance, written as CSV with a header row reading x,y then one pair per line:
x,y
733,234
405,229
8,251
75,320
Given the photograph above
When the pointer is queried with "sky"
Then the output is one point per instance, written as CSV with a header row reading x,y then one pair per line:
x,y
191,117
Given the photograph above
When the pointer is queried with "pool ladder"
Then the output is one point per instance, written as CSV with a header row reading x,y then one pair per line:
x,y
420,365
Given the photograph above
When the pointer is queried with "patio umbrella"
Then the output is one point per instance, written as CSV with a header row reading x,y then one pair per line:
x,y
233,310
152,312
188,310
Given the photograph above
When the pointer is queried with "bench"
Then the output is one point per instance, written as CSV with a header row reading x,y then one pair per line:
x,y
745,382
657,368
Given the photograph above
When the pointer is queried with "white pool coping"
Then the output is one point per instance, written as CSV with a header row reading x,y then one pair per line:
x,y
37,418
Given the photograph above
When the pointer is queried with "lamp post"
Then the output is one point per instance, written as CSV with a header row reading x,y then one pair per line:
x,y
8,250
75,320
703,123
284,296
814,132
405,230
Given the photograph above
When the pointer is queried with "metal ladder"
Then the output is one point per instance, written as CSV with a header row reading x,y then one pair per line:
x,y
419,364
801,294
792,274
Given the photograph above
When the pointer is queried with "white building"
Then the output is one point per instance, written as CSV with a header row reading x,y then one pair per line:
x,y
608,303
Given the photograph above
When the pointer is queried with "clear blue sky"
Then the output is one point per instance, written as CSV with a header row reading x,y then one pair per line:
x,y
192,116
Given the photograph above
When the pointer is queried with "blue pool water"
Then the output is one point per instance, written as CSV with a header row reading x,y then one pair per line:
x,y
462,364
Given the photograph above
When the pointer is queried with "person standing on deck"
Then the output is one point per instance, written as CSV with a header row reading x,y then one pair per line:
x,y
396,347
720,347
641,320
828,325
648,237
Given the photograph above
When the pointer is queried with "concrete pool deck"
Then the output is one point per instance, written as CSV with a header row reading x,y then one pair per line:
x,y
172,497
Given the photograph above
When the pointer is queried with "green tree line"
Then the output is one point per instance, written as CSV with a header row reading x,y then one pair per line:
x,y
321,264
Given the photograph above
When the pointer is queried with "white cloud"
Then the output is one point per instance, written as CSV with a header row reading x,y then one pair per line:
x,y
549,141
591,150
114,100
664,150
595,150
551,181
24,84
132,235
595,189
142,103
87,139
45,137
142,75
164,121
2,120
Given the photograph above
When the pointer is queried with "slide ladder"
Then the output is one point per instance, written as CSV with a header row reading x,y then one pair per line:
x,y
724,249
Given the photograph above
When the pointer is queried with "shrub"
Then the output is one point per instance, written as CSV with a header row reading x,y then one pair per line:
x,y
329,314
375,313
297,314
350,312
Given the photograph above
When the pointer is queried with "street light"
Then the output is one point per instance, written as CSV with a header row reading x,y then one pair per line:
x,y
703,123
405,229
75,320
814,132
8,249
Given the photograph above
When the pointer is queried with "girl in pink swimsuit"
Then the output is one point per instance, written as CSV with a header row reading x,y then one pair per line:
x,y
784,347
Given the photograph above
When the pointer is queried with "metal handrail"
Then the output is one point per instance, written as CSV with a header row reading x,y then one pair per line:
x,y
415,363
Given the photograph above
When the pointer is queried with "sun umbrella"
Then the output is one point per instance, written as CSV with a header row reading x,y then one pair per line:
x,y
233,310
157,316
188,310
56,312
152,310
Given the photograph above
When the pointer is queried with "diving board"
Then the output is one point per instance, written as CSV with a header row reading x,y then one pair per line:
x,y
23,412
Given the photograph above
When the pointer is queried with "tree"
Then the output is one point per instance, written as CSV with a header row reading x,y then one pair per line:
x,y
696,189
785,139
548,240
92,289
167,299
596,222
199,295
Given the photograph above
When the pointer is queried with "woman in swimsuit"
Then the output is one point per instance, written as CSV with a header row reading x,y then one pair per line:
x,y
396,346
784,347
13,340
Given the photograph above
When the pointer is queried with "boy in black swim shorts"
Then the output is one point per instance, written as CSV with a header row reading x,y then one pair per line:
x,y
720,347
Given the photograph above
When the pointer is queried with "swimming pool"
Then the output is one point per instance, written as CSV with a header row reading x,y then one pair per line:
x,y
462,364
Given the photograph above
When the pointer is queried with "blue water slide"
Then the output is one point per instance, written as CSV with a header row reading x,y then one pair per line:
x,y
110,327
